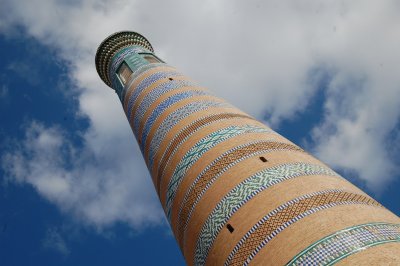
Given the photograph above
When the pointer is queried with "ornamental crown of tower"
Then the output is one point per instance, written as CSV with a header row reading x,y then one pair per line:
x,y
114,43
234,191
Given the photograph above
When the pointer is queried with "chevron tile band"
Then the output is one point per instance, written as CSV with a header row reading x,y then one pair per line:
x,y
141,72
242,193
135,75
120,56
198,150
339,245
184,134
215,169
173,118
163,107
285,215
151,97
146,83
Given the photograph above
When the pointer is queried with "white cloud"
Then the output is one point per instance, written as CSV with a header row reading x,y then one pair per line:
x,y
3,91
54,241
257,54
97,186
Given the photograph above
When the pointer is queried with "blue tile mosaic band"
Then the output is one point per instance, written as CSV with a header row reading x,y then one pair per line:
x,y
221,171
140,72
342,244
245,191
122,54
185,133
161,108
173,119
133,60
287,214
151,97
198,150
145,83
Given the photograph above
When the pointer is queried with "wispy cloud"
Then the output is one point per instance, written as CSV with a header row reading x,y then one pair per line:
x,y
54,241
25,71
3,91
257,54
91,185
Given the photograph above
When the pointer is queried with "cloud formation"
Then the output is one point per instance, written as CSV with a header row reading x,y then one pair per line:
x,y
260,55
54,241
94,186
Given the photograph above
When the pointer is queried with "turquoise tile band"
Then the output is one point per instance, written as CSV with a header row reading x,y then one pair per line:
x,y
198,150
242,193
342,244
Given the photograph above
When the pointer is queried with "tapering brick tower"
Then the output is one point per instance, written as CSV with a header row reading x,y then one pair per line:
x,y
234,191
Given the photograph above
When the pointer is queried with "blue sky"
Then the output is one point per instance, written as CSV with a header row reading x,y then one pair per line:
x,y
74,188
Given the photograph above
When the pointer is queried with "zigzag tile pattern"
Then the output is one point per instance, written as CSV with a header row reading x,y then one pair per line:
x,y
139,73
152,96
122,54
338,246
145,83
285,215
242,193
176,116
162,107
197,151
216,168
183,135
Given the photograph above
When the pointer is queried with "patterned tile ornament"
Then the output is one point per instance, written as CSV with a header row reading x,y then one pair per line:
x,y
183,135
216,168
135,104
121,55
152,96
112,46
134,62
244,192
139,73
162,107
342,244
285,215
173,119
146,83
198,150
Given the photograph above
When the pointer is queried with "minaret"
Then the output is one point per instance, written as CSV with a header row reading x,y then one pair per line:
x,y
235,192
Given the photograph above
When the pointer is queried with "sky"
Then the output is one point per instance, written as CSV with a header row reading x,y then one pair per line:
x,y
74,188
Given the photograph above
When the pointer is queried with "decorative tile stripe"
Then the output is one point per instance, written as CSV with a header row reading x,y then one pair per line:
x,y
162,107
183,135
339,245
215,169
146,83
138,74
285,215
141,74
244,192
152,96
198,150
173,119
121,56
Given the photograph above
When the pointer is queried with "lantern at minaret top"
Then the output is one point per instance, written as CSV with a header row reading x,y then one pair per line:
x,y
234,191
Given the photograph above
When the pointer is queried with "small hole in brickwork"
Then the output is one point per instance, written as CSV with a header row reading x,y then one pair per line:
x,y
171,79
230,228
263,159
